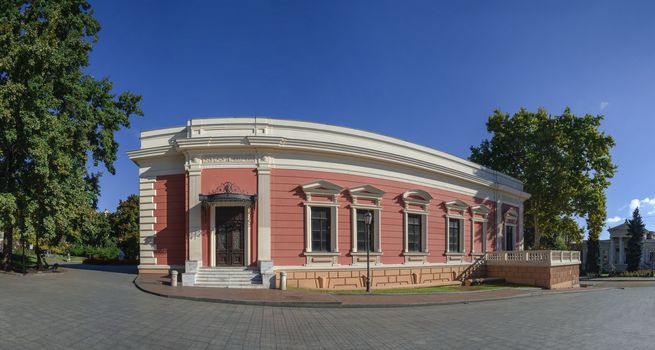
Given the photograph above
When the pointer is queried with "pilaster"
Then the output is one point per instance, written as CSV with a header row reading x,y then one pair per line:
x,y
264,224
499,225
195,212
147,221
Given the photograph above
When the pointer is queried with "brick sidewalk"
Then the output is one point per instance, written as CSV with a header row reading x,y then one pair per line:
x,y
158,285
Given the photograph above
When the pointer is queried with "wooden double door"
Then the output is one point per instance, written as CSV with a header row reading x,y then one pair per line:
x,y
230,229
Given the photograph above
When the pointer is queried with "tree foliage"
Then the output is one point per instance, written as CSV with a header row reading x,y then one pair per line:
x,y
636,230
54,118
125,225
564,162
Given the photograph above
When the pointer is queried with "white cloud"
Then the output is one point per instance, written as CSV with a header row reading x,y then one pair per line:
x,y
604,105
647,204
614,220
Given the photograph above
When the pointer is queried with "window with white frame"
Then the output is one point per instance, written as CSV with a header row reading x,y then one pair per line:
x,y
479,215
455,212
414,233
363,230
510,234
455,229
321,210
416,204
365,199
321,229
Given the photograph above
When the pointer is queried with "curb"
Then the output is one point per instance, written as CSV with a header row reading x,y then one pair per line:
x,y
339,304
312,304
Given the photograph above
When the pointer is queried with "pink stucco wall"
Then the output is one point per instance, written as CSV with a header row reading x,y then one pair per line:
x,y
171,219
287,217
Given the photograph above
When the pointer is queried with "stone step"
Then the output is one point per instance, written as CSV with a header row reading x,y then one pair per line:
x,y
223,280
229,285
227,274
229,277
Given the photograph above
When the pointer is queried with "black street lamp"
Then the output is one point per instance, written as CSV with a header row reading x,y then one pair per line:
x,y
368,218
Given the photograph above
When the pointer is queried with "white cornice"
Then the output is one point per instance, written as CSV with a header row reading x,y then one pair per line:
x,y
268,135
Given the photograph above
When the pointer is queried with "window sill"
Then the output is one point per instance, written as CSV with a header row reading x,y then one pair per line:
x,y
321,253
477,254
364,253
416,253
454,253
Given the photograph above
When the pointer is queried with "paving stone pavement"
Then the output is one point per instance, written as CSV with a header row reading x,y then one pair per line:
x,y
85,309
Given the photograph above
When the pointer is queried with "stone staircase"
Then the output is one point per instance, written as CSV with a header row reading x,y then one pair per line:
x,y
229,277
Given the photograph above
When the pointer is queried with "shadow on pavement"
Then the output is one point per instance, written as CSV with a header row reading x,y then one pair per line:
x,y
128,269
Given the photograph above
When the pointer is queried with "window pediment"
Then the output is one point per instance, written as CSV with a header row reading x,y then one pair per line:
x,y
366,192
456,204
480,210
321,188
417,197
511,216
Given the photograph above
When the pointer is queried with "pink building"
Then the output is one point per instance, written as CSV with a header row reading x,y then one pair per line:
x,y
233,202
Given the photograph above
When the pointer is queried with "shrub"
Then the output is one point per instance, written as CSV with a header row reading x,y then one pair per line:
x,y
77,250
103,253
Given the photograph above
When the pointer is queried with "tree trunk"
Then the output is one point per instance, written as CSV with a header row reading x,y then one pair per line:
x,y
7,251
537,232
37,251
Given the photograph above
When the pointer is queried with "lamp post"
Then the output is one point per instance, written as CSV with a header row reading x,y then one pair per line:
x,y
368,218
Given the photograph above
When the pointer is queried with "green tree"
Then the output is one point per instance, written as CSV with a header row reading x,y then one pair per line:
x,y
54,118
125,225
564,162
595,222
636,230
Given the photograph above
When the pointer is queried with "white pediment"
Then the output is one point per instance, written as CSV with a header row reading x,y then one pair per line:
x,y
417,197
456,204
321,187
480,209
366,191
511,213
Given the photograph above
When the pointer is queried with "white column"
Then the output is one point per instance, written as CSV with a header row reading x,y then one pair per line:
x,y
499,225
195,212
612,251
264,215
621,252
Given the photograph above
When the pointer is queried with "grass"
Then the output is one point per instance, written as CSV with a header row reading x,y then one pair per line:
x,y
73,258
419,290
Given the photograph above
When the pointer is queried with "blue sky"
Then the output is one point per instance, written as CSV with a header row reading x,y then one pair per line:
x,y
429,72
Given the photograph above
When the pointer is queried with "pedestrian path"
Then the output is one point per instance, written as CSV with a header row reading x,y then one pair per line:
x,y
159,285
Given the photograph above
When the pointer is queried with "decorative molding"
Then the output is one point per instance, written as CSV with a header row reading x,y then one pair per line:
x,y
366,192
265,133
321,188
221,158
416,197
480,209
